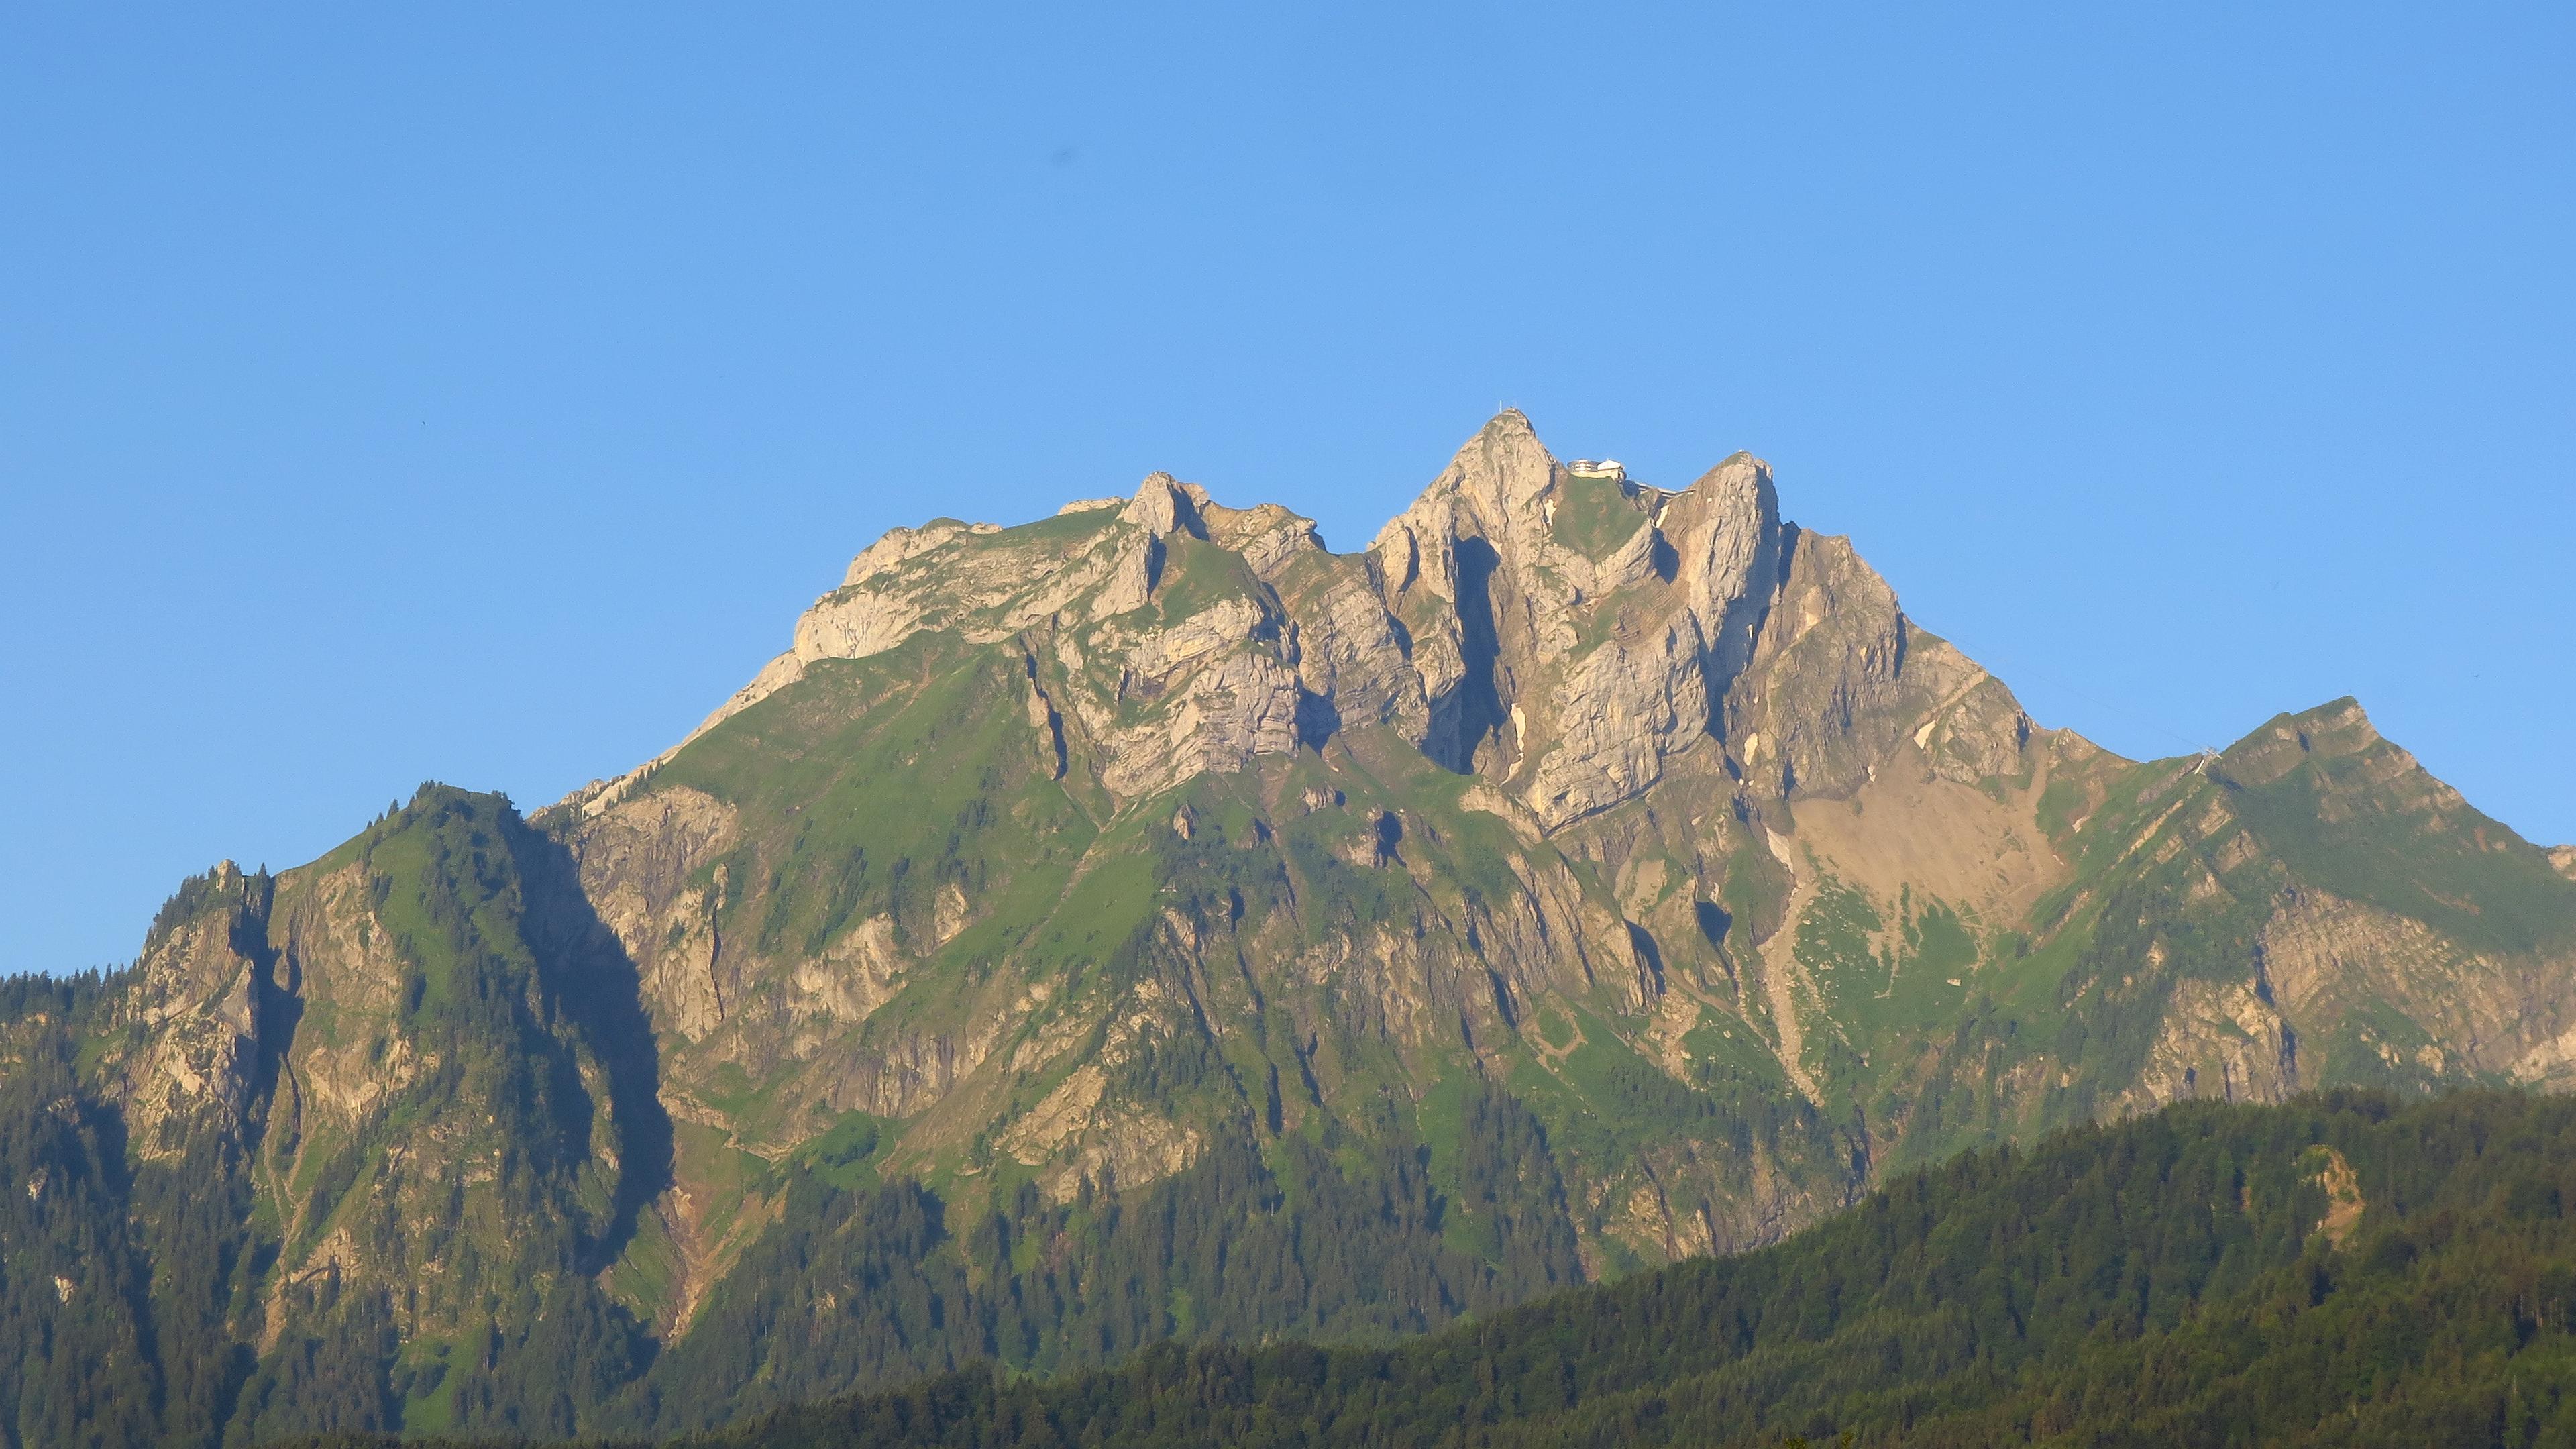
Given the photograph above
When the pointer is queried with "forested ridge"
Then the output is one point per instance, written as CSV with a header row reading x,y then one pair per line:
x,y
2335,1271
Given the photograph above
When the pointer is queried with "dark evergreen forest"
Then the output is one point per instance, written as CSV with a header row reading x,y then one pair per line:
x,y
2335,1271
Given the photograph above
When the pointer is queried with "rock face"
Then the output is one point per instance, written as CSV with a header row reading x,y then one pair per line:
x,y
194,1009
1571,633
1581,876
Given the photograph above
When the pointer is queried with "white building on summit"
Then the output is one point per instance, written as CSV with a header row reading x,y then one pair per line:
x,y
1605,468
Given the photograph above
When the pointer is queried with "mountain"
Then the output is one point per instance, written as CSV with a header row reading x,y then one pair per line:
x,y
1147,923
2333,1272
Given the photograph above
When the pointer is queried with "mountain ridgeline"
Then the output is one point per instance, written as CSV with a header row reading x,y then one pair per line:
x,y
1146,924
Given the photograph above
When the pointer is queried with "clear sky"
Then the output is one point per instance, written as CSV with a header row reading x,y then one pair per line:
x,y
391,392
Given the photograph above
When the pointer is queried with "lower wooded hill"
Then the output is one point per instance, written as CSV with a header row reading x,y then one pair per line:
x,y
2336,1271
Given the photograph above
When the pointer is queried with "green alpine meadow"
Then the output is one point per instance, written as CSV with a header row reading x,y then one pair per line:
x,y
1128,976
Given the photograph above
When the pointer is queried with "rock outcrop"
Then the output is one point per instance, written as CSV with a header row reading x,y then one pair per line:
x,y
194,1010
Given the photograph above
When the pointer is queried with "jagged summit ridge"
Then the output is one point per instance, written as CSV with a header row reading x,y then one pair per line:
x,y
1561,635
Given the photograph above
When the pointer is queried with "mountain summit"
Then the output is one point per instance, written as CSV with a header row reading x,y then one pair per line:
x,y
1147,922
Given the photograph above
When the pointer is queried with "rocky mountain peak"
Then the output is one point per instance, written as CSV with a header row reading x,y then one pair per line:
x,y
1561,634
1164,505
1612,872
1740,477
1497,486
902,544
2337,727
2335,730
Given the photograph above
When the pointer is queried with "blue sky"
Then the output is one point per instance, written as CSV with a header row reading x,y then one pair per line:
x,y
478,393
